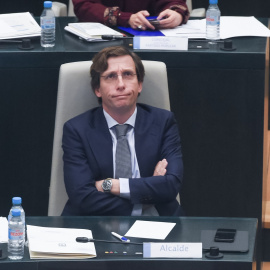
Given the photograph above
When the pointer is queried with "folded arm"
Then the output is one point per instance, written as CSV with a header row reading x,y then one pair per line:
x,y
164,183
152,189
80,179
130,13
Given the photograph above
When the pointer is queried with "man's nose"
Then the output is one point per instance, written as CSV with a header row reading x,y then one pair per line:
x,y
120,81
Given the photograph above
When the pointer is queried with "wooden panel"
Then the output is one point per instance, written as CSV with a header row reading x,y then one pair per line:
x,y
266,173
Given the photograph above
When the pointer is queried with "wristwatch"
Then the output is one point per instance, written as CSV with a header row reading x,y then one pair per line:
x,y
107,185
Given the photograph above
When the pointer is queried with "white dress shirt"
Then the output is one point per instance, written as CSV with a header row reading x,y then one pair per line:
x,y
138,209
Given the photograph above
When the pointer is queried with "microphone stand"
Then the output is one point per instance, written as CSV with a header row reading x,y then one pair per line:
x,y
85,240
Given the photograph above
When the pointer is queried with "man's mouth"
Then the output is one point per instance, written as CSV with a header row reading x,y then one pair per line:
x,y
121,96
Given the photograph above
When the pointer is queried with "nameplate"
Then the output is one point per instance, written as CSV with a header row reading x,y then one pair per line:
x,y
172,250
161,43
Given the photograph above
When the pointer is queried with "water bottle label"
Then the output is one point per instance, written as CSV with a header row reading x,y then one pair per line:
x,y
47,23
213,20
15,234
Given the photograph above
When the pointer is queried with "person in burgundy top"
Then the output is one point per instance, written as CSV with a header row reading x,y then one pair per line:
x,y
132,13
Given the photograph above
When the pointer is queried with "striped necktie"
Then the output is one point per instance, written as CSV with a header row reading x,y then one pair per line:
x,y
123,167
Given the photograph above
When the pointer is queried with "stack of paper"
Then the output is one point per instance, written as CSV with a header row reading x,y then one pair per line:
x,y
192,29
230,26
18,25
3,230
59,243
91,31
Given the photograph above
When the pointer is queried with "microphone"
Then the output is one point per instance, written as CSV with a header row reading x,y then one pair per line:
x,y
85,240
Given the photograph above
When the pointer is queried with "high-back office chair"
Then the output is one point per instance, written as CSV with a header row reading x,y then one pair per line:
x,y
197,12
75,96
61,9
71,9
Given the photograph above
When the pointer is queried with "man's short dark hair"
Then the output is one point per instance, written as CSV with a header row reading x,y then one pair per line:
x,y
100,63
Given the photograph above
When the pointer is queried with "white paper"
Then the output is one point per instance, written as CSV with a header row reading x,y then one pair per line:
x,y
150,229
192,29
91,31
18,25
46,242
230,26
242,26
3,230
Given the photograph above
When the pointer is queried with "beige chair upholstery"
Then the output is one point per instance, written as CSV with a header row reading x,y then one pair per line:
x,y
71,9
75,96
197,12
61,10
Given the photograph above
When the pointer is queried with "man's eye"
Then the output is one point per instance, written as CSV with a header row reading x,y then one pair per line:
x,y
127,74
111,76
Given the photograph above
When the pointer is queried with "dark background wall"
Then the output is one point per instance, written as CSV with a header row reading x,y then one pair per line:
x,y
33,6
258,8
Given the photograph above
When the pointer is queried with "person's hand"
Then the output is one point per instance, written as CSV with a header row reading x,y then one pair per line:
x,y
138,21
99,185
160,169
169,19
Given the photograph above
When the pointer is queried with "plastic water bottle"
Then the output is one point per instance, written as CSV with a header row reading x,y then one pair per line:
x,y
213,21
47,24
17,204
15,236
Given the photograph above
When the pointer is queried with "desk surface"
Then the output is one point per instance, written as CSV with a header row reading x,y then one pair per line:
x,y
186,230
67,43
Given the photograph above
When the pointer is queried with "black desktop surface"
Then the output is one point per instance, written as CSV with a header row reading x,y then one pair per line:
x,y
67,42
124,255
176,59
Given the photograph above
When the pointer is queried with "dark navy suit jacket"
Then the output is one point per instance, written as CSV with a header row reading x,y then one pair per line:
x,y
87,146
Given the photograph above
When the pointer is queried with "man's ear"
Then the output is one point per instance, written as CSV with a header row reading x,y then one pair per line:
x,y
97,92
140,87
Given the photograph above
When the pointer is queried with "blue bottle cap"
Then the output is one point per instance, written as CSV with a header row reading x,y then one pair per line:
x,y
16,200
16,212
213,2
48,4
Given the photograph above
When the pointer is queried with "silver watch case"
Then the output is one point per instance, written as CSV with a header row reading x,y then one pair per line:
x,y
107,185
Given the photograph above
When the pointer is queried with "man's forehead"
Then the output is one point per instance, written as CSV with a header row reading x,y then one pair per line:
x,y
121,62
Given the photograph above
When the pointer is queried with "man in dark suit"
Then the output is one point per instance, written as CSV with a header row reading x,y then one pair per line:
x,y
150,174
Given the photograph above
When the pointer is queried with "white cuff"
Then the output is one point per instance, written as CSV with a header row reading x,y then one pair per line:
x,y
124,188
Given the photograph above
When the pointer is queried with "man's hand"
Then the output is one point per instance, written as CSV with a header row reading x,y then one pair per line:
x,y
99,185
115,186
169,19
160,169
138,21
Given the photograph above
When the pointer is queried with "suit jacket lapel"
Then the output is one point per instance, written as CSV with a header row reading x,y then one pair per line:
x,y
146,143
100,141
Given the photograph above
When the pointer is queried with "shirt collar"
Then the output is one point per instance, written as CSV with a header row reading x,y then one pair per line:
x,y
111,122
